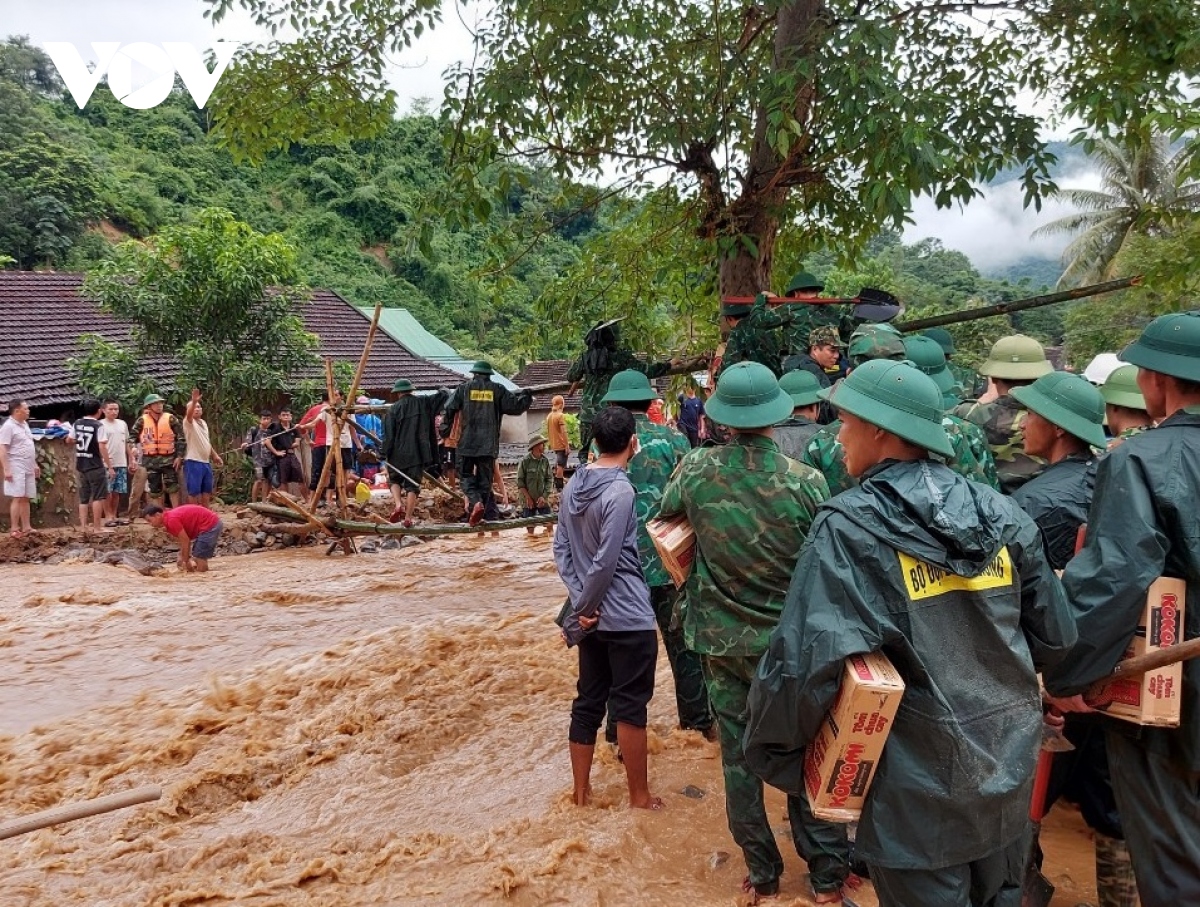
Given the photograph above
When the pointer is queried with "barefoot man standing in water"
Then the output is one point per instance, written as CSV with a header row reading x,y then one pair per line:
x,y
611,619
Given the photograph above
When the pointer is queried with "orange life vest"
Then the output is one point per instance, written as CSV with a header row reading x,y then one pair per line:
x,y
158,440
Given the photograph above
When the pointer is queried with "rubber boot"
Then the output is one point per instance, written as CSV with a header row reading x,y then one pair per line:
x,y
1115,886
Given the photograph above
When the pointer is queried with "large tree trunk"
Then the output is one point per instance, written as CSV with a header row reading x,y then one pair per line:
x,y
752,220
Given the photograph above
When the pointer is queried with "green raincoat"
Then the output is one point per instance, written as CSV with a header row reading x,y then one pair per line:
x,y
947,578
1144,523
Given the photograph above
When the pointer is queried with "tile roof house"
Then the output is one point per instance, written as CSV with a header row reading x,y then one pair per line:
x,y
42,315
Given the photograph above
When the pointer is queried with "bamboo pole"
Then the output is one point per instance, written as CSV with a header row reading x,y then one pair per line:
x,y
309,517
1018,305
324,478
351,396
72,811
356,527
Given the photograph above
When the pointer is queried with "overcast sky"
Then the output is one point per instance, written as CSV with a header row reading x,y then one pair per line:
x,y
992,231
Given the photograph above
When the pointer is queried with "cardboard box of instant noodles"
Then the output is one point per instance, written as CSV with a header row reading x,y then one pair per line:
x,y
842,759
675,541
1153,698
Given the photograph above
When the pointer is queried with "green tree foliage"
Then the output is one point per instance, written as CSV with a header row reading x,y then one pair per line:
x,y
48,194
821,117
220,297
107,371
1146,189
1170,283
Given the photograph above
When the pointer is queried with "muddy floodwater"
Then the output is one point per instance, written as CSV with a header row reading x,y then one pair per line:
x,y
384,729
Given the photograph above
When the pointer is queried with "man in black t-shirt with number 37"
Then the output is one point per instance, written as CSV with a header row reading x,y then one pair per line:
x,y
92,463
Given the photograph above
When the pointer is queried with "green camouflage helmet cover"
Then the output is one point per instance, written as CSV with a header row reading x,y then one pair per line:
x,y
875,341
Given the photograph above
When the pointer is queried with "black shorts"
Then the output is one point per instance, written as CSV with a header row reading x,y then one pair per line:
x,y
319,453
560,458
616,669
289,469
93,486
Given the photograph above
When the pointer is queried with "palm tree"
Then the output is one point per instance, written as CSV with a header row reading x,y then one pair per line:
x,y
1144,189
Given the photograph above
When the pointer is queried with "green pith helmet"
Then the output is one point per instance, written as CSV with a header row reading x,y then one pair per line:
x,y
926,354
1121,389
896,397
535,441
875,341
825,335
802,280
942,338
152,398
748,396
1069,401
629,386
802,386
402,386
1016,358
482,368
1170,345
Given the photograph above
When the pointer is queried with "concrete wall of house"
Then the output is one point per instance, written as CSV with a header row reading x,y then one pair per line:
x,y
58,490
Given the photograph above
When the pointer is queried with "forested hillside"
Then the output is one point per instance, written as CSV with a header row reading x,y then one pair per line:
x,y
73,182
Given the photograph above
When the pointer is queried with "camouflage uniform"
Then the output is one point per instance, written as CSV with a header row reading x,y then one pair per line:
x,y
662,448
750,507
595,386
1127,434
826,455
754,338
1003,422
807,318
972,459
968,381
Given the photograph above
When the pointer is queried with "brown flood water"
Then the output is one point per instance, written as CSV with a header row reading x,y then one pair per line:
x,y
386,729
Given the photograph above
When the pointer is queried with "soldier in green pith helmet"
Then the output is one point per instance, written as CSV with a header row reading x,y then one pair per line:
x,y
1013,362
1143,525
753,332
750,507
603,358
1124,406
929,569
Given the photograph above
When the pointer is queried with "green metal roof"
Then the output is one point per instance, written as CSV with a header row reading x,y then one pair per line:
x,y
401,326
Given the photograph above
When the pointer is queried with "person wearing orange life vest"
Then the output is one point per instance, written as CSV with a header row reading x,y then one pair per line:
x,y
161,437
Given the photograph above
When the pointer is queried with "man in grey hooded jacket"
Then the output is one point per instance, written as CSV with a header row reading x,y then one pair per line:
x,y
596,552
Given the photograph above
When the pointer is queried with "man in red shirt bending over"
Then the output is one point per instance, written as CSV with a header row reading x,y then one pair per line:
x,y
196,528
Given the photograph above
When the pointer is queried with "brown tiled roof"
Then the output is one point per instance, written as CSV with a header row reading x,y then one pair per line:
x,y
42,316
548,370
543,373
